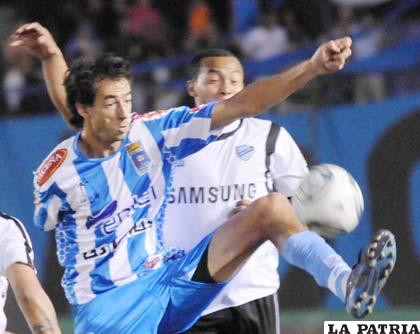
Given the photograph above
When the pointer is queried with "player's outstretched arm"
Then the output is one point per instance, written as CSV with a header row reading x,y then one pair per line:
x,y
38,41
32,299
264,94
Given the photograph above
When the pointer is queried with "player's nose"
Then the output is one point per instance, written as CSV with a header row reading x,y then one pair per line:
x,y
226,88
123,110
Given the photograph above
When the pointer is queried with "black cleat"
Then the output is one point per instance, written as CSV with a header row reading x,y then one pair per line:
x,y
370,274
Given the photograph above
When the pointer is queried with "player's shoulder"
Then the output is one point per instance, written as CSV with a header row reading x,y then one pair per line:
x,y
276,132
171,112
10,224
260,124
150,115
57,158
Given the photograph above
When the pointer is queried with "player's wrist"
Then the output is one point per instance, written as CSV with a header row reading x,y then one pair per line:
x,y
50,53
312,68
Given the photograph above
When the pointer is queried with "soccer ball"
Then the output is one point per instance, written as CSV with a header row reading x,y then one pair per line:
x,y
329,201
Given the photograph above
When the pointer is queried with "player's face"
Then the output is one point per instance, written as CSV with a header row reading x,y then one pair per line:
x,y
109,118
219,78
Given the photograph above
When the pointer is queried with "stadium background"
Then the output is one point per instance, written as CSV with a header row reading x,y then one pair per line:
x,y
366,118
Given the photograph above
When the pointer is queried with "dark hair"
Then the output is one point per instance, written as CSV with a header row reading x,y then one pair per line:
x,y
195,63
81,79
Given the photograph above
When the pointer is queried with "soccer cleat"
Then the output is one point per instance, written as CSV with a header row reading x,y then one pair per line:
x,y
370,274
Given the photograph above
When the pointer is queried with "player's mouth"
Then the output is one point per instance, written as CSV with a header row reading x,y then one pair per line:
x,y
124,125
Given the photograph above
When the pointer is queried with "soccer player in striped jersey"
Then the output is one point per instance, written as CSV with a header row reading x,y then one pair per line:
x,y
105,191
17,268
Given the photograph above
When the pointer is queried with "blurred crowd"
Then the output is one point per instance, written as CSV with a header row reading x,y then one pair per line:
x,y
148,31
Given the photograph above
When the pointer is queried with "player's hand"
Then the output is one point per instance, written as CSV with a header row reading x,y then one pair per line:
x,y
332,56
34,39
241,205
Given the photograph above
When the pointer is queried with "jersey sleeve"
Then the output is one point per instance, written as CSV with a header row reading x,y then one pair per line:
x,y
47,205
15,244
288,166
48,198
183,130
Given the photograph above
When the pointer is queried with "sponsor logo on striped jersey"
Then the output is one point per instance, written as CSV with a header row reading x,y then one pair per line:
x,y
50,166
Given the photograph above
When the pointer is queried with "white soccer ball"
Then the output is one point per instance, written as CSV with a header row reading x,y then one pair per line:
x,y
329,201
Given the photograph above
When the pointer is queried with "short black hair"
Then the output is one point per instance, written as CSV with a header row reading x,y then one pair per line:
x,y
195,63
81,78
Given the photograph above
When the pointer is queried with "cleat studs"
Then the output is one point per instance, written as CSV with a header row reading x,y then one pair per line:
x,y
374,245
371,254
369,309
372,264
385,274
383,255
363,296
357,306
372,300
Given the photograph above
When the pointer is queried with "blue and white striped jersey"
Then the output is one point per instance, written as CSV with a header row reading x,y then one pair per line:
x,y
108,226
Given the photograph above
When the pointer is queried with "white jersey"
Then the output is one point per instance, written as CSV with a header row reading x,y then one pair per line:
x,y
15,247
250,159
108,225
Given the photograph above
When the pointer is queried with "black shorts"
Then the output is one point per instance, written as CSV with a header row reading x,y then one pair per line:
x,y
259,316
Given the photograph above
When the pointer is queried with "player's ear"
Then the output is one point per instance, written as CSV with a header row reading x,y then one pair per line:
x,y
81,109
191,88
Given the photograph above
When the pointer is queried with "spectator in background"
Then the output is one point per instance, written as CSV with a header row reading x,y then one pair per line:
x,y
202,31
409,80
265,40
13,84
295,34
199,19
100,13
84,43
337,89
141,19
369,38
19,72
245,13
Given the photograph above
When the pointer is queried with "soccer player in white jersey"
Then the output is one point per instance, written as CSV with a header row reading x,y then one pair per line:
x,y
95,189
17,268
250,159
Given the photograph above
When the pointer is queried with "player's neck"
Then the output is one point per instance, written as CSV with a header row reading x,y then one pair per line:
x,y
94,147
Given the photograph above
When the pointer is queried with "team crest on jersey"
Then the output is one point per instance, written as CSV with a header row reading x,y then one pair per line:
x,y
139,157
50,166
244,152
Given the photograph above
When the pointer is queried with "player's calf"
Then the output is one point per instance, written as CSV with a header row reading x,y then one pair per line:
x,y
370,274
